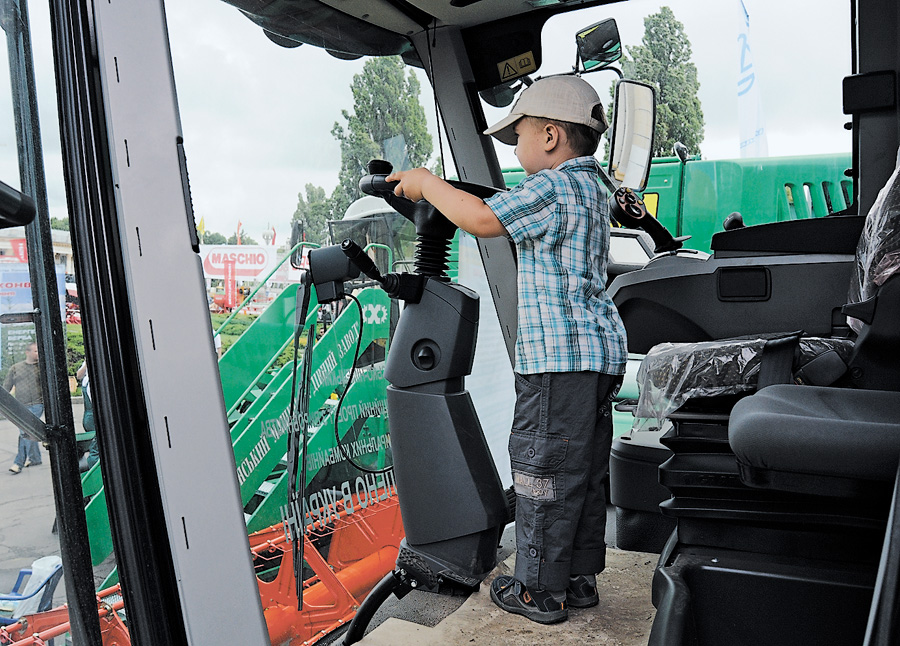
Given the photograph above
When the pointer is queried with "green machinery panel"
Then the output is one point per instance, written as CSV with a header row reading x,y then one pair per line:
x,y
257,396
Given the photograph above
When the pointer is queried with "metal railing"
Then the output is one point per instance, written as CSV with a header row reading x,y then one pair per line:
x,y
262,282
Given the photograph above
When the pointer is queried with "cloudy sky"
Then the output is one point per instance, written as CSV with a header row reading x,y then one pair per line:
x,y
257,117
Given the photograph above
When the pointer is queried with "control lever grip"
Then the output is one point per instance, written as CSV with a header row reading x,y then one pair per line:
x,y
365,264
627,208
377,185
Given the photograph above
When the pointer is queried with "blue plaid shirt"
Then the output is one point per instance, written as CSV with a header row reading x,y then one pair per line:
x,y
559,221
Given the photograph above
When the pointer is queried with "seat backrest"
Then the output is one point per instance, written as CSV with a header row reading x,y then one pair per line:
x,y
45,574
874,363
878,251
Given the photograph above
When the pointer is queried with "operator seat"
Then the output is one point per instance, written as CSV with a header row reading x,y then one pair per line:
x,y
842,441
781,505
674,373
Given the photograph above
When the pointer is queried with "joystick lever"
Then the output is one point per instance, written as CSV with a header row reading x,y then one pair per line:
x,y
406,287
365,264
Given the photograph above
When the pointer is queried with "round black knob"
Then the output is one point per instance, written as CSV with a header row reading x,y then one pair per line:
x,y
425,355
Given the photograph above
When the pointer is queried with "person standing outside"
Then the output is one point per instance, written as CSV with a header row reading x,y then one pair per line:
x,y
87,421
570,348
24,381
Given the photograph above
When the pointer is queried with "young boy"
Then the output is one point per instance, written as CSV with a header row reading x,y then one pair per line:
x,y
570,349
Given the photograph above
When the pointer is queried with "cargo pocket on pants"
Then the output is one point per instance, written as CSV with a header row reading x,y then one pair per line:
x,y
538,477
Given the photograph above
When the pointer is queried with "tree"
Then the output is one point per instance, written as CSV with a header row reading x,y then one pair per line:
x,y
437,168
213,237
245,239
60,224
664,61
387,122
313,212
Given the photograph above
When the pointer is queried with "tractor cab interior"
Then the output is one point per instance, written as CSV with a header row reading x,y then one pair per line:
x,y
775,499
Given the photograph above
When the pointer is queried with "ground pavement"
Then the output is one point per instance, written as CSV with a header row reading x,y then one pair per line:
x,y
623,617
27,509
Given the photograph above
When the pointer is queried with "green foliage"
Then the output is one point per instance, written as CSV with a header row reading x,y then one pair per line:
x,y
74,348
437,168
245,239
388,122
60,224
664,61
235,328
213,237
287,356
313,212
238,325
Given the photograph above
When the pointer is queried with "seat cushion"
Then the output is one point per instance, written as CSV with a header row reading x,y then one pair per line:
x,y
819,440
673,373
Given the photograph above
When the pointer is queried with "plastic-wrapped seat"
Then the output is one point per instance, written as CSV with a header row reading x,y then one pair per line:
x,y
674,373
843,442
787,519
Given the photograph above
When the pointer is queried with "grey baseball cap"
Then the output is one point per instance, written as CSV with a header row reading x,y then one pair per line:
x,y
563,98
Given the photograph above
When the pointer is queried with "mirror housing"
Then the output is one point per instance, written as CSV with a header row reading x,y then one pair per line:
x,y
599,45
634,122
501,96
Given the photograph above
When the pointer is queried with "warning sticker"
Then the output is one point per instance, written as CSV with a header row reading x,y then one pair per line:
x,y
516,66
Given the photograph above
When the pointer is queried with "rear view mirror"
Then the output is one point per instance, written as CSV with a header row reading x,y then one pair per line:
x,y
501,95
631,148
598,45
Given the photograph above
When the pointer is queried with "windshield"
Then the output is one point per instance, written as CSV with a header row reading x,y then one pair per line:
x,y
727,138
278,136
733,64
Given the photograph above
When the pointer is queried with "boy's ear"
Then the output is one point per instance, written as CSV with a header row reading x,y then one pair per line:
x,y
551,136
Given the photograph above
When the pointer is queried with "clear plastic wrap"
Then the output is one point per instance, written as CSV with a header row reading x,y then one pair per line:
x,y
672,373
878,252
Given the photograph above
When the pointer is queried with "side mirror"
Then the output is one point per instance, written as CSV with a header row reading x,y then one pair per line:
x,y
598,45
631,148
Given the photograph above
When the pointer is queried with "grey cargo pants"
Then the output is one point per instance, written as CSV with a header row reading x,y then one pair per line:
x,y
559,450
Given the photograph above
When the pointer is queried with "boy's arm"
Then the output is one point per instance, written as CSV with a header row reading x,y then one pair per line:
x,y
463,209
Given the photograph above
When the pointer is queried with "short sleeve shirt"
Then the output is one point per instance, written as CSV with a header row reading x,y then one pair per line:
x,y
559,221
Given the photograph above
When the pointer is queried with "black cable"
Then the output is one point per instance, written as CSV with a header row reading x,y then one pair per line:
x,y
294,455
303,400
293,494
337,413
437,111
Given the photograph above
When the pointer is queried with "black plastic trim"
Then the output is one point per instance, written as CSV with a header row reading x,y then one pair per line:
x,y
831,234
870,91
